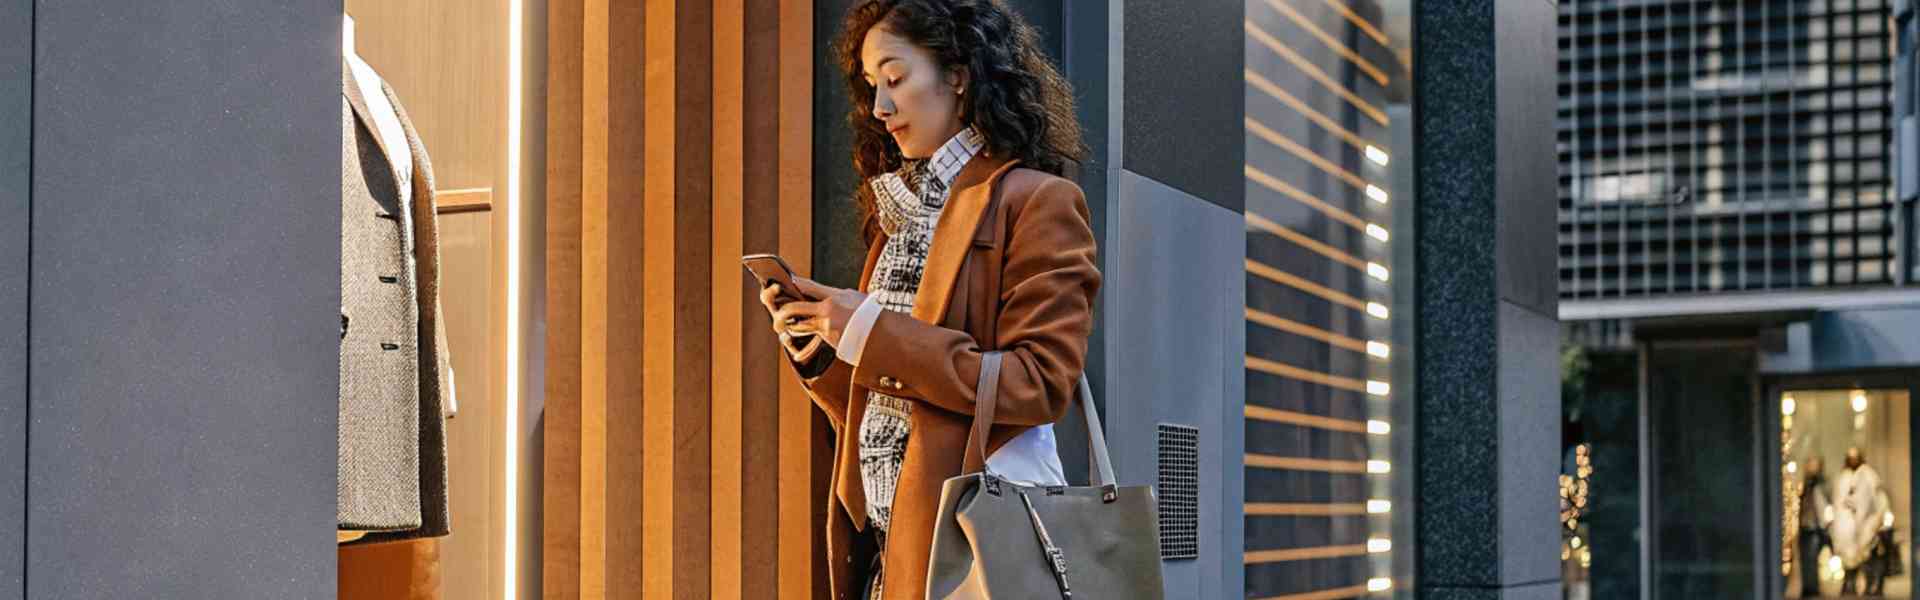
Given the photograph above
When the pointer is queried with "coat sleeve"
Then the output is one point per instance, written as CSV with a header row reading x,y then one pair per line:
x,y
1048,285
829,389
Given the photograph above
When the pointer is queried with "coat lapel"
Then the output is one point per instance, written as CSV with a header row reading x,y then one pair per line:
x,y
356,98
953,234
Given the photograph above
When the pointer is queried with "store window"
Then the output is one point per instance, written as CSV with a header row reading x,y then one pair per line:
x,y
1846,478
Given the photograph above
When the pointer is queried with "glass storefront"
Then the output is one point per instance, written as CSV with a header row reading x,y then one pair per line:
x,y
1845,495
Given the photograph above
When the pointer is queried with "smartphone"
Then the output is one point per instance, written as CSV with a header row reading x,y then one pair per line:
x,y
771,269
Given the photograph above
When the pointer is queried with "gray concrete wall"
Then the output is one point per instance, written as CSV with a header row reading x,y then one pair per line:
x,y
1175,346
1489,408
16,125
1846,340
185,298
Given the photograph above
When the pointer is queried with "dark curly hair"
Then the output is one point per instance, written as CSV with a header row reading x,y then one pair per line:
x,y
1015,97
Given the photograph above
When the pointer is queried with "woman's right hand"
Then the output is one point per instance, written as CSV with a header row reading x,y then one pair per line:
x,y
801,348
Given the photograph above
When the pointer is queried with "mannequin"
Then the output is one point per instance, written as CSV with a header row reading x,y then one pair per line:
x,y
392,133
384,118
389,284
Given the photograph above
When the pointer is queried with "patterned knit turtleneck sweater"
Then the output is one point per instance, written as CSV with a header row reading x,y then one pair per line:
x,y
908,203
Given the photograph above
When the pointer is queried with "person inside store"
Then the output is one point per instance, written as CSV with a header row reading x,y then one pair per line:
x,y
1861,530
975,241
1813,530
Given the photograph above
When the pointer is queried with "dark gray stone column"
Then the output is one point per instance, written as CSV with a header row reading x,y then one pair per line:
x,y
16,125
185,302
1488,424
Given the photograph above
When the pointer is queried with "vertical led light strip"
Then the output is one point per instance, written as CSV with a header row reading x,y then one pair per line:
x,y
512,530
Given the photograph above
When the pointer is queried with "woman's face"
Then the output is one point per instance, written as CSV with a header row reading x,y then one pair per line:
x,y
917,100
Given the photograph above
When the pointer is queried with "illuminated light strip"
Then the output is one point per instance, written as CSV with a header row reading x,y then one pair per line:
x,y
1273,89
1305,66
1304,330
1334,44
1275,184
510,546
1282,509
1292,554
1293,463
1304,420
1260,223
1274,137
1360,22
1296,282
1293,372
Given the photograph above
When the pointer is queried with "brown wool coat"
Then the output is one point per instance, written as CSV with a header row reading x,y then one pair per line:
x,y
1038,244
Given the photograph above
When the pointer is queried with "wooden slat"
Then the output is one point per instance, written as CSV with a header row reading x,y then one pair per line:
x,y
726,519
1305,420
1285,370
1314,71
1332,594
1304,330
1300,283
1293,554
464,200
1294,463
1260,82
805,442
594,311
1359,22
562,457
1275,184
660,81
1259,223
1282,509
1373,72
1264,132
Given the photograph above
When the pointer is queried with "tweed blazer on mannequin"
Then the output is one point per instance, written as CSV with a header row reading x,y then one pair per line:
x,y
393,358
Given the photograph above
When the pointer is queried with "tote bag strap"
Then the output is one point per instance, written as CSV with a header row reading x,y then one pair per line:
x,y
987,397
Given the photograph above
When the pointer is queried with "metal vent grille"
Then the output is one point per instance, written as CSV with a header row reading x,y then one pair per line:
x,y
1179,492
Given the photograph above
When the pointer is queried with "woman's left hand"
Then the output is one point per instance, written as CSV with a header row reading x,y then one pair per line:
x,y
826,317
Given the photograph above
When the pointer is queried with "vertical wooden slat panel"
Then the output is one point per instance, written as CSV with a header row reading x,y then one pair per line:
x,y
805,445
761,353
660,460
561,462
727,517
709,477
693,252
594,310
630,332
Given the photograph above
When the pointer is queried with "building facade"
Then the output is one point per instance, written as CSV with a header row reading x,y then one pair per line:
x,y
1735,275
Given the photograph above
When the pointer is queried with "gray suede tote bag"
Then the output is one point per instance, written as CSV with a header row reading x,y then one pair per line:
x,y
996,538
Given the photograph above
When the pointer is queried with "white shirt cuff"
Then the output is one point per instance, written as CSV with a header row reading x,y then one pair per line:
x,y
854,339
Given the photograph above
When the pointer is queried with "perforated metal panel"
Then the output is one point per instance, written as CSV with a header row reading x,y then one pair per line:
x,y
1725,146
1179,491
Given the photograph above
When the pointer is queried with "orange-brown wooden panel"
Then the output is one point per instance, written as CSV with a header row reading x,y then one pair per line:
x,y
705,476
726,517
560,478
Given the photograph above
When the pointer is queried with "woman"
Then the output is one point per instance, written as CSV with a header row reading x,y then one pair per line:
x,y
974,243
